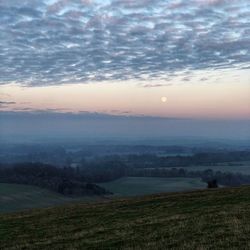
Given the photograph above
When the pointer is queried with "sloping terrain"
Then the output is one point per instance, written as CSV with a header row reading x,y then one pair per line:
x,y
209,219
16,197
135,186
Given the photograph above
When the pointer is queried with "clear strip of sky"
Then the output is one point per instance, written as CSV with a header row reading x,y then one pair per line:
x,y
219,96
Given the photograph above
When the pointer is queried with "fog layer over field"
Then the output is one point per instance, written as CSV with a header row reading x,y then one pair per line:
x,y
37,125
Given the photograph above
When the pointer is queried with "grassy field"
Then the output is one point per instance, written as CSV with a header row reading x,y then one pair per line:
x,y
244,168
208,219
15,197
19,197
133,186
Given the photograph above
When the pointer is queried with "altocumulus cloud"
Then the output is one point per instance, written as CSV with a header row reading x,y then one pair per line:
x,y
45,42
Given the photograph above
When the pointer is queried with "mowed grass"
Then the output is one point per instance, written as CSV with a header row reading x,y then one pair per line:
x,y
134,186
208,219
14,197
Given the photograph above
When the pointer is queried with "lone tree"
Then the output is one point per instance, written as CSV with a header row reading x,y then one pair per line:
x,y
212,184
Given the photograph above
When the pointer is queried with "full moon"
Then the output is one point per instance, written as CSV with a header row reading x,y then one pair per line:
x,y
164,99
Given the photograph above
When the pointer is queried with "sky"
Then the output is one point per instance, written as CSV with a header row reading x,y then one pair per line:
x,y
171,59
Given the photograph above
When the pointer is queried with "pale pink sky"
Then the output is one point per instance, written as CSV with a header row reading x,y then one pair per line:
x,y
222,98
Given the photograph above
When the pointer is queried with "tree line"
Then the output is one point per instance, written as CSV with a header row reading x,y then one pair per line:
x,y
66,181
80,180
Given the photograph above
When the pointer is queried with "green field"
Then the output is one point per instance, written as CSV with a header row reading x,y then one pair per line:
x,y
132,186
15,197
208,219
244,168
174,154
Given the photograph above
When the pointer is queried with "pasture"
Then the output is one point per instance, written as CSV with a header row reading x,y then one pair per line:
x,y
236,167
15,197
135,186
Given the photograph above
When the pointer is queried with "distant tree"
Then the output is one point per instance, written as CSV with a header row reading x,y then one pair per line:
x,y
63,180
212,184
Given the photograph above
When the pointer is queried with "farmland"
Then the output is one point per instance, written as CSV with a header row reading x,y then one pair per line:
x,y
133,186
233,167
14,197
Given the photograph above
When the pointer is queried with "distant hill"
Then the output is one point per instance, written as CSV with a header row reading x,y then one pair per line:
x,y
209,219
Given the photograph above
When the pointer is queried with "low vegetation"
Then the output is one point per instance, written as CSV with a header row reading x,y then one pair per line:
x,y
16,197
84,179
65,181
135,186
209,219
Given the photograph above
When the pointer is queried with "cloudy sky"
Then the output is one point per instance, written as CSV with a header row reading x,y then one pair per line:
x,y
163,58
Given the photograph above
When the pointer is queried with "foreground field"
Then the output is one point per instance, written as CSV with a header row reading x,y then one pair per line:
x,y
133,186
15,197
209,219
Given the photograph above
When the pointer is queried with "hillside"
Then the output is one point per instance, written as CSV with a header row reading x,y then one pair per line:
x,y
137,186
209,219
16,197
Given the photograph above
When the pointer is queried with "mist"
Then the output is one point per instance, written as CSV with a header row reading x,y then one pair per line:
x,y
25,126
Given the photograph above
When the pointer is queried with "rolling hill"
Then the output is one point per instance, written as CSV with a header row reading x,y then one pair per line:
x,y
135,186
208,219
16,197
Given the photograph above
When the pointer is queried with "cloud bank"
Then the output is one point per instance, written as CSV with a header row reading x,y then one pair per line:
x,y
45,42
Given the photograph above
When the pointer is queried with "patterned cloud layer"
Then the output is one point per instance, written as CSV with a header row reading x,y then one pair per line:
x,y
45,42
